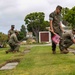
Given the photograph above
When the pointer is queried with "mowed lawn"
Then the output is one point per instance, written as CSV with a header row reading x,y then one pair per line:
x,y
40,61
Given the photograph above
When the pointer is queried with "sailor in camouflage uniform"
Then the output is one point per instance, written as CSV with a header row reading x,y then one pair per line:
x,y
11,31
13,42
55,25
68,38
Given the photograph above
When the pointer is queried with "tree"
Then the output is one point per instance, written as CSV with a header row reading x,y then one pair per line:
x,y
22,33
3,39
70,17
23,29
35,23
44,25
21,36
64,12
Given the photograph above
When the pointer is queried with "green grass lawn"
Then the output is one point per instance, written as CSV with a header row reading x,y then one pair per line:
x,y
40,61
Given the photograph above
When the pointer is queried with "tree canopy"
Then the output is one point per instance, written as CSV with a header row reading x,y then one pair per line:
x,y
3,39
23,29
22,33
35,23
70,17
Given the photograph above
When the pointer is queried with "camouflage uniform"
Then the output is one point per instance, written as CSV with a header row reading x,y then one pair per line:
x,y
13,43
56,19
11,32
66,41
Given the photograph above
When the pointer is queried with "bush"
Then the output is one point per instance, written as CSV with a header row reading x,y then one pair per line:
x,y
30,41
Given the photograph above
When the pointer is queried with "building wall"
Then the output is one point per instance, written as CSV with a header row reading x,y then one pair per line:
x,y
44,36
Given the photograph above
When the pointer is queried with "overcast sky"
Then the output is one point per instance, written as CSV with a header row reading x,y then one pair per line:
x,y
14,11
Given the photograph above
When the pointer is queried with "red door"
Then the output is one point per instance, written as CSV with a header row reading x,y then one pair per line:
x,y
44,37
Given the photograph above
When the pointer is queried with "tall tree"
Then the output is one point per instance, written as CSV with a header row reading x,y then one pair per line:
x,y
64,12
35,23
22,33
21,36
23,30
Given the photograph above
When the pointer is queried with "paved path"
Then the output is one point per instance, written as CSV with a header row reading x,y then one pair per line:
x,y
36,45
49,44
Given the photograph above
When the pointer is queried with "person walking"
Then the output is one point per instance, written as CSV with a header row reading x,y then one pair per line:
x,y
55,26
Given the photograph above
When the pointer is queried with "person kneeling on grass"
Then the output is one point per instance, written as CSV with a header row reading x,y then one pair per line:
x,y
13,42
68,38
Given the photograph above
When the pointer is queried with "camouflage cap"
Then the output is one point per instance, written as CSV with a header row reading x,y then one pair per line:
x,y
12,25
59,7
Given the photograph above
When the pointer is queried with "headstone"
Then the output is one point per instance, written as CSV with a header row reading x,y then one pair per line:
x,y
9,66
26,51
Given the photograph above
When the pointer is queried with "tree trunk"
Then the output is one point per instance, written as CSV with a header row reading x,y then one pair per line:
x,y
36,32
